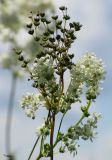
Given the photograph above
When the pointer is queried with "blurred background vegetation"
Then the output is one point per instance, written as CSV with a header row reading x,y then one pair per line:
x,y
13,19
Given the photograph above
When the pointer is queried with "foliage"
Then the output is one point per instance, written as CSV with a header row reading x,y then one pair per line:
x,y
12,17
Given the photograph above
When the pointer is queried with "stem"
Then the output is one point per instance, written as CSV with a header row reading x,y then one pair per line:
x,y
33,148
10,116
51,135
59,128
83,116
46,99
62,87
61,121
37,142
40,154
62,83
80,120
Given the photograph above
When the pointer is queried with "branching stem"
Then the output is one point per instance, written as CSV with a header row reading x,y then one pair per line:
x,y
83,116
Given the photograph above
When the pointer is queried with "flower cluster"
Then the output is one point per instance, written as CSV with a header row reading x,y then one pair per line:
x,y
42,73
43,130
30,103
55,41
89,72
85,131
53,58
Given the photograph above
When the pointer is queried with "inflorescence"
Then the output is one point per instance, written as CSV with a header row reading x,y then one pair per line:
x,y
47,75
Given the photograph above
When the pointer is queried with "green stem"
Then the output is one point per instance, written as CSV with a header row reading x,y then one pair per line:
x,y
59,128
80,120
40,154
33,148
83,116
10,116
37,142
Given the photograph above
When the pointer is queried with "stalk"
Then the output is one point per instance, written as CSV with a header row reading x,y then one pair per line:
x,y
51,135
83,116
75,126
59,129
10,116
41,147
33,148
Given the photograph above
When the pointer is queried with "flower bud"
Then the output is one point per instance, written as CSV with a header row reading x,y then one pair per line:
x,y
66,17
20,58
58,37
59,22
42,85
62,39
52,39
55,17
26,61
42,14
86,114
24,65
61,149
46,33
37,38
88,97
77,26
58,26
71,56
36,24
83,108
48,22
36,19
63,30
29,25
73,37
93,97
18,52
62,8
31,31
50,31
43,19
71,25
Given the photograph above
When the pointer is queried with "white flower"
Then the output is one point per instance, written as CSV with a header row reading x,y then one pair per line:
x,y
30,103
94,118
29,112
89,70
38,129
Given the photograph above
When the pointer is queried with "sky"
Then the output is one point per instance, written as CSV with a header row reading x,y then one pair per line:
x,y
95,36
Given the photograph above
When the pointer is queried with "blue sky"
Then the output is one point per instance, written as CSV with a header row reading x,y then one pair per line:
x,y
95,36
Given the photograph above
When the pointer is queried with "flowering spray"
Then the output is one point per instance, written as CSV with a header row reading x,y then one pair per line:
x,y
47,75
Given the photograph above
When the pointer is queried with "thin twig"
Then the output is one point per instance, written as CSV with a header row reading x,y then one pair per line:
x,y
59,128
33,147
